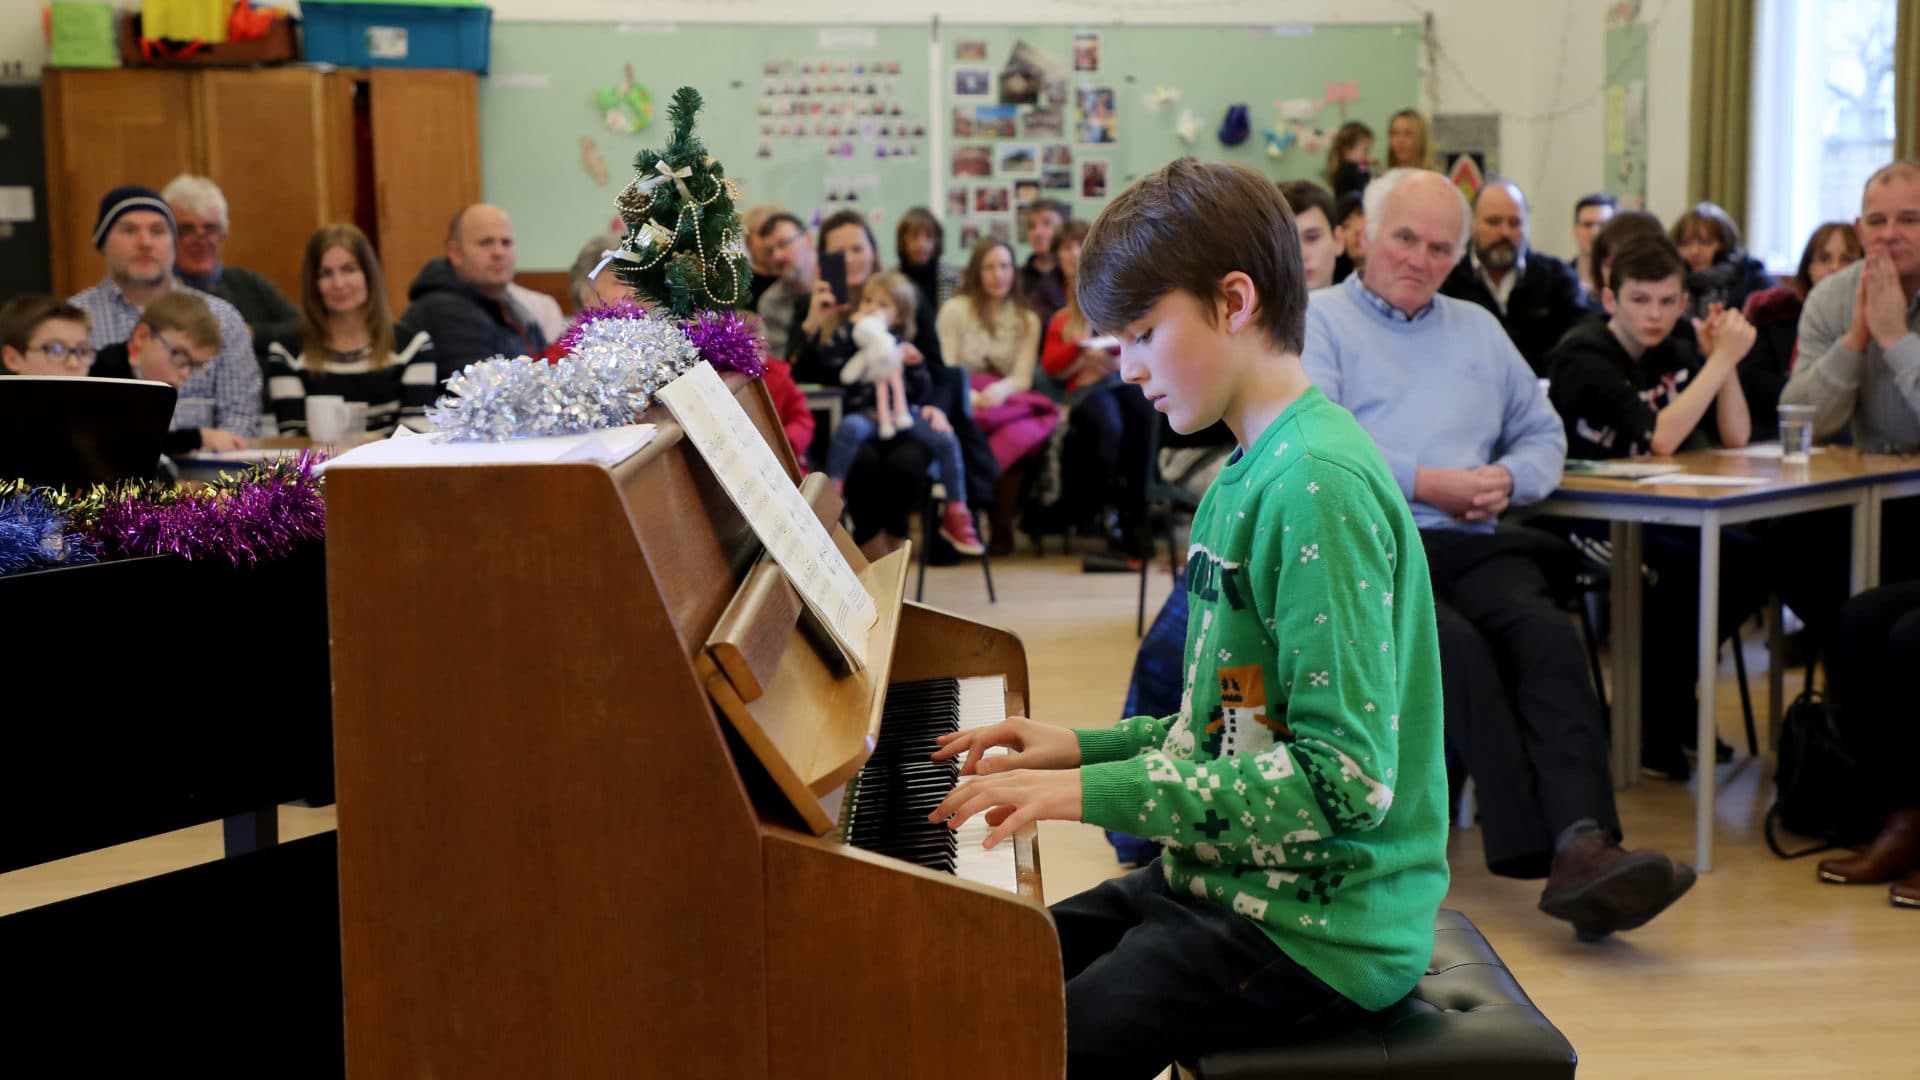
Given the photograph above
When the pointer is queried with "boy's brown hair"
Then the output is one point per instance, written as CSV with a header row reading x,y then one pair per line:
x,y
185,312
1186,227
22,315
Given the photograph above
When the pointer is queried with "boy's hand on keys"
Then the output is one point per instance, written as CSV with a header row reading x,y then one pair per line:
x,y
1012,799
1031,745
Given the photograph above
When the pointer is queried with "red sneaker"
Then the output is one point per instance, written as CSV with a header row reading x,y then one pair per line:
x,y
956,526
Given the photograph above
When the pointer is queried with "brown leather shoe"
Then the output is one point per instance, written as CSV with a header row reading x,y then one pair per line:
x,y
1906,893
1894,854
1601,887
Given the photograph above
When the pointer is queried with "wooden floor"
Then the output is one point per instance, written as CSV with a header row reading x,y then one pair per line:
x,y
1759,972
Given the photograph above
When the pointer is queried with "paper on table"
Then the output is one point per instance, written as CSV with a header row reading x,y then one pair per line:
x,y
725,436
1703,480
409,449
1766,451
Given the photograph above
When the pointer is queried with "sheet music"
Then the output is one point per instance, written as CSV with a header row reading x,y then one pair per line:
x,y
721,430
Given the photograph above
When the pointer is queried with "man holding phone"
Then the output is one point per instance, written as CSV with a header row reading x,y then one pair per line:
x,y
789,253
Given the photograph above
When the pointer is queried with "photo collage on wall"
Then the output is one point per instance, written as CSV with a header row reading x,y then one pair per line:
x,y
845,110
1025,127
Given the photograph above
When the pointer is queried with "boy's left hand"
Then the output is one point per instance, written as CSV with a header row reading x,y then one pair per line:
x,y
1013,799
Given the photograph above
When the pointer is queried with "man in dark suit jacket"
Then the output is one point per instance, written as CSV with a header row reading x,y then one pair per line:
x,y
1534,295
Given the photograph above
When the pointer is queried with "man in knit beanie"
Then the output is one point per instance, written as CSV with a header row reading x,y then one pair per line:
x,y
135,233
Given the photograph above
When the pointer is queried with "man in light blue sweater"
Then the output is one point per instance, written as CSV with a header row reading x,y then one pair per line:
x,y
1466,431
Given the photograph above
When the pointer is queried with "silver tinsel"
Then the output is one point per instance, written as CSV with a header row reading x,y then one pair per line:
x,y
610,377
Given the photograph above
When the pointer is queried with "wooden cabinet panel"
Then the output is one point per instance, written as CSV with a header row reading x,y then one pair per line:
x,y
279,142
104,129
426,153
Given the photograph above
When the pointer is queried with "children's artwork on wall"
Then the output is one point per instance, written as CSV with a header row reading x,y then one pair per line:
x,y
1019,161
1025,193
1096,122
971,82
963,122
1159,98
1040,124
991,199
1029,74
592,161
973,161
1057,156
1057,179
1188,127
996,121
956,201
1086,51
626,107
970,51
1342,94
1093,178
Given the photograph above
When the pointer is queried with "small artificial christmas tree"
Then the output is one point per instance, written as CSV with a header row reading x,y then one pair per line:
x,y
683,250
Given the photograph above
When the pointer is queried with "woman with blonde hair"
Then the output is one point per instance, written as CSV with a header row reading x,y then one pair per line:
x,y
350,346
1408,141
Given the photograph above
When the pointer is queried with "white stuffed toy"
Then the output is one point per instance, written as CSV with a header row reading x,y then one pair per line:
x,y
878,360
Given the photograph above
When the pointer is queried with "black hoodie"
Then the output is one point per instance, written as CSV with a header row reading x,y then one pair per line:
x,y
464,325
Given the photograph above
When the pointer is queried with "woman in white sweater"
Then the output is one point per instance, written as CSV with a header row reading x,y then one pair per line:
x,y
987,329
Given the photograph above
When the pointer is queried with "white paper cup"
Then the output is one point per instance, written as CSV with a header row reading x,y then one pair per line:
x,y
326,418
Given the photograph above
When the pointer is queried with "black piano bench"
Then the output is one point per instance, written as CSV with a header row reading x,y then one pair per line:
x,y
1467,1018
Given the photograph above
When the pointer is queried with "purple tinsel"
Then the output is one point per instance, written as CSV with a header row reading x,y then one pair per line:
x,y
619,309
726,341
261,518
33,536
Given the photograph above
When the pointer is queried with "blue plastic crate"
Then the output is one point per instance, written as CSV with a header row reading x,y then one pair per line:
x,y
397,35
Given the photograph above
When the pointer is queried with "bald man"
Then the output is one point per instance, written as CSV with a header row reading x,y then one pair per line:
x,y
1466,432
1536,297
461,300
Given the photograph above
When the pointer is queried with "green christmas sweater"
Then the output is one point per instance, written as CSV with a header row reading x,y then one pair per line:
x,y
1302,784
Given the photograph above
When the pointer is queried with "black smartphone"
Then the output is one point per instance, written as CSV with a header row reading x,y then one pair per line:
x,y
833,270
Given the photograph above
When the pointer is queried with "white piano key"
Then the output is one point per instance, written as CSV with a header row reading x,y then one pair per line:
x,y
983,702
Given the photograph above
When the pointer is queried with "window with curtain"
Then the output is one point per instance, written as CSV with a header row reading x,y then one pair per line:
x,y
1823,117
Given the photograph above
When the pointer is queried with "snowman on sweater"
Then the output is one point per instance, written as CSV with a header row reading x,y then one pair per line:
x,y
878,359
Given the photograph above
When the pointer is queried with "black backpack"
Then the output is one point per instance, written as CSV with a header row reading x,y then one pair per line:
x,y
1819,782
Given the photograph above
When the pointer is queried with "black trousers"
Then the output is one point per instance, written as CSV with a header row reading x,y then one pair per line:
x,y
1154,978
1120,425
1519,704
887,483
1873,671
1670,623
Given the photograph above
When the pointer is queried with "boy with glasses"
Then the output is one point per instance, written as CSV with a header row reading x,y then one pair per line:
x,y
177,335
44,335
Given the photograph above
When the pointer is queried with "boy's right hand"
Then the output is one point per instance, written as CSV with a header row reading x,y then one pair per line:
x,y
1034,746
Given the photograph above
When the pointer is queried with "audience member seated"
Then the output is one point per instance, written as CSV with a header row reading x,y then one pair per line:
x,y
1350,227
889,478
764,275
1407,141
1313,217
43,335
1466,431
790,254
1775,315
1856,365
908,411
1589,214
177,335
1350,163
460,298
1871,674
1041,283
1115,419
200,213
988,330
542,309
1722,273
1632,386
135,235
349,345
920,243
1534,295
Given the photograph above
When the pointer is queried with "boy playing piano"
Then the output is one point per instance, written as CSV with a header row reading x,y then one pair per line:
x,y
1300,791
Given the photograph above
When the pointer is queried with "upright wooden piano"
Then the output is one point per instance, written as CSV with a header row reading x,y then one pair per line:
x,y
591,778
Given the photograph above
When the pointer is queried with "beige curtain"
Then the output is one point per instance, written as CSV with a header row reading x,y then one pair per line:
x,y
1722,104
1906,81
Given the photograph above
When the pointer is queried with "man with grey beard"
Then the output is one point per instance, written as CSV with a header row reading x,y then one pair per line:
x,y
1536,297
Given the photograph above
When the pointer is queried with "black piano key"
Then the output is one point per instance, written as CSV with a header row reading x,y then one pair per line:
x,y
900,784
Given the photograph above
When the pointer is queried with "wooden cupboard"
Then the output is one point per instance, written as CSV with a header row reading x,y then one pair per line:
x,y
396,151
